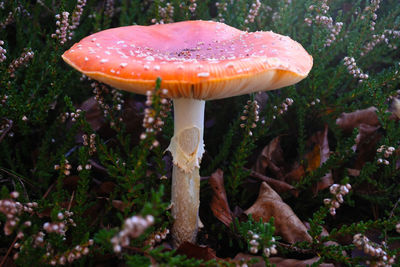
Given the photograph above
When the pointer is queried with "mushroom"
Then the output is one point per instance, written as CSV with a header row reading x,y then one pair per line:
x,y
197,61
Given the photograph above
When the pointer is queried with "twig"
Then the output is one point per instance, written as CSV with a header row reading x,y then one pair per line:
x,y
394,208
8,252
277,185
48,191
70,202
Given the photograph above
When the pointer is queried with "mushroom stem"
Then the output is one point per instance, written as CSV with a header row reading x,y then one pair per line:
x,y
187,148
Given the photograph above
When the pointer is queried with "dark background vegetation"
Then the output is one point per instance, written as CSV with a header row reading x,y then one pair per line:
x,y
124,175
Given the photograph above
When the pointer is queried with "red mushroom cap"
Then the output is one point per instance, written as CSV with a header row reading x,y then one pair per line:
x,y
195,59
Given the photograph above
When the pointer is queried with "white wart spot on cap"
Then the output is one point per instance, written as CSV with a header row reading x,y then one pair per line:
x,y
150,58
203,74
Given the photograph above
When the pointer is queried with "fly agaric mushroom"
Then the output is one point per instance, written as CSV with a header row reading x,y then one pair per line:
x,y
197,61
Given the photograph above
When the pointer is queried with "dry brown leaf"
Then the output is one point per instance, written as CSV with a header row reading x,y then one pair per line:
x,y
271,157
287,224
94,115
295,174
278,261
219,202
106,188
366,144
132,116
197,252
313,159
321,140
282,262
353,172
349,121
71,182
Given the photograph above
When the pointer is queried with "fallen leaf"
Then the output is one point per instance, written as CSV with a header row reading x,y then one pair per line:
x,y
295,174
106,188
349,121
71,182
366,144
287,224
271,157
197,252
313,159
219,202
321,140
93,114
282,262
353,172
132,116
395,108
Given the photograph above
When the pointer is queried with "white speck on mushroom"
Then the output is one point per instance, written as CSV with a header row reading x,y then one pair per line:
x,y
203,74
180,67
146,67
122,54
123,64
120,42
72,50
213,61
104,60
98,45
112,71
107,52
150,58
93,39
86,58
230,64
156,67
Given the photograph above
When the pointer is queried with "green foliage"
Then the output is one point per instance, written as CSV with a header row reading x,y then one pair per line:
x,y
247,229
46,108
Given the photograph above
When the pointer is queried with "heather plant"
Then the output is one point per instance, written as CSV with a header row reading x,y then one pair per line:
x,y
85,178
